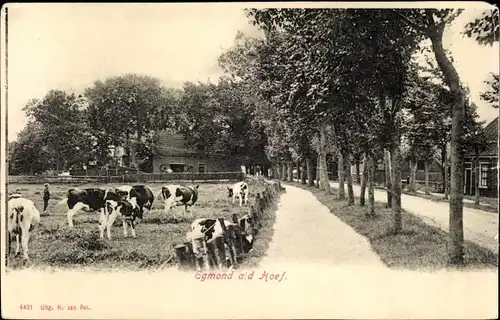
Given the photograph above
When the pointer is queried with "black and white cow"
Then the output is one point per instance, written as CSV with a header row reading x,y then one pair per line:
x,y
92,199
240,190
212,228
22,218
113,209
143,195
174,195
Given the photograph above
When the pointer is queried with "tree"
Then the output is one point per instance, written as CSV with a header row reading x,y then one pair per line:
x,y
29,153
143,106
430,23
61,120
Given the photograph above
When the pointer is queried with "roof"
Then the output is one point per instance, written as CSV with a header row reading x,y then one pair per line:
x,y
491,132
172,144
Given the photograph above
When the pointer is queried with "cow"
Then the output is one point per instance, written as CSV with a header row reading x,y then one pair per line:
x,y
113,209
143,195
92,199
212,228
23,217
179,195
239,189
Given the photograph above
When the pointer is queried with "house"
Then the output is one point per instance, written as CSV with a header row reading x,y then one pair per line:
x,y
488,165
173,153
435,172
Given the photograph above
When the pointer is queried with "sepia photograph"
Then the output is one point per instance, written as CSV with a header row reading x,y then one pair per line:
x,y
248,160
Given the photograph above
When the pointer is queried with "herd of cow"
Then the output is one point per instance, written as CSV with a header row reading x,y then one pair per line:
x,y
126,202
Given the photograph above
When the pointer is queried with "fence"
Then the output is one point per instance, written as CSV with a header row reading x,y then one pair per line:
x,y
131,178
228,249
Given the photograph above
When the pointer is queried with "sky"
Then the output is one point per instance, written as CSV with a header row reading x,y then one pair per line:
x,y
70,46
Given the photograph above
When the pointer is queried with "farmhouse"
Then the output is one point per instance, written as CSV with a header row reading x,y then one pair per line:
x,y
488,166
173,153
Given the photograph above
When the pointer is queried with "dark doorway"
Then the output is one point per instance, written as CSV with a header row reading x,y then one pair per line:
x,y
177,167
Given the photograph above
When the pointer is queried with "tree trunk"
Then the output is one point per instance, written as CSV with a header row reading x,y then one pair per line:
x,y
413,175
283,171
371,192
310,176
358,175
363,183
456,232
446,178
426,169
340,170
290,171
396,186
318,178
477,177
388,177
325,181
304,173
446,182
350,191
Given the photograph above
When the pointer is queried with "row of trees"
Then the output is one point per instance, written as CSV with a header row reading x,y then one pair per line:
x,y
65,130
351,85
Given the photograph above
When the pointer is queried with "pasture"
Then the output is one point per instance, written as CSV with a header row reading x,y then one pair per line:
x,y
54,244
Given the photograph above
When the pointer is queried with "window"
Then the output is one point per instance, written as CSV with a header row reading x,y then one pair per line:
x,y
484,175
201,168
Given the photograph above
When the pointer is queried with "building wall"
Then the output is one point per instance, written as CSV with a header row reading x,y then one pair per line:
x,y
488,177
211,164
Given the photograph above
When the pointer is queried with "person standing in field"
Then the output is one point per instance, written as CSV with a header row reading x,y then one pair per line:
x,y
46,197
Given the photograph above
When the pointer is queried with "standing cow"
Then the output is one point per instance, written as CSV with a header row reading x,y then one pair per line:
x,y
240,190
179,195
114,209
22,218
143,195
93,199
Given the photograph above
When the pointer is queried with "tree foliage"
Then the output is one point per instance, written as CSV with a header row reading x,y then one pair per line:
x,y
484,29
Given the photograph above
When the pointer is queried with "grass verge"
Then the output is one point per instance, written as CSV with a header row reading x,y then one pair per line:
x,y
491,206
418,247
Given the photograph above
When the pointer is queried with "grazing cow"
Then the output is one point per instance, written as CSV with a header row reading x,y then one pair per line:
x,y
88,199
143,197
23,217
179,195
239,189
114,209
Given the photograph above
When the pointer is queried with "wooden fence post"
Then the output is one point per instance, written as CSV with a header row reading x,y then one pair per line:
x,y
239,236
191,261
229,236
180,251
202,262
211,255
220,249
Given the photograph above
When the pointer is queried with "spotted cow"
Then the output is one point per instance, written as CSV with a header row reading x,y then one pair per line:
x,y
22,218
240,190
174,195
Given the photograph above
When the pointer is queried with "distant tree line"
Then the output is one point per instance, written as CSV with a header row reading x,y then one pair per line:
x,y
65,130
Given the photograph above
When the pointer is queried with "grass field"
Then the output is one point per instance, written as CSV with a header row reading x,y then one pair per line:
x,y
53,244
418,247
